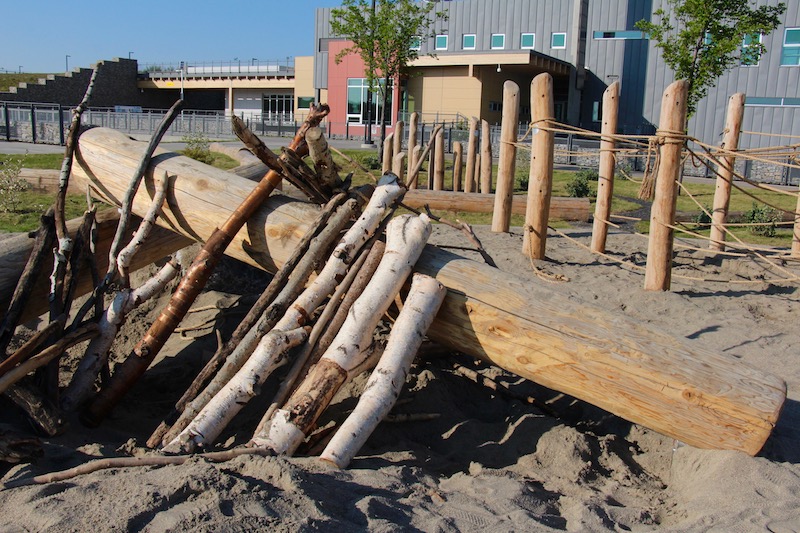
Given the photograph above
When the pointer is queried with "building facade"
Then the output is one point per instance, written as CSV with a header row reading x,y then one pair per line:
x,y
585,45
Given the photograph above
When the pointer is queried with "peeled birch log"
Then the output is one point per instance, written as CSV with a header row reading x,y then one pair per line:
x,y
669,384
406,237
561,208
268,355
387,380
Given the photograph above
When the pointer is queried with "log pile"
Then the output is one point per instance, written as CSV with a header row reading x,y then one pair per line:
x,y
342,260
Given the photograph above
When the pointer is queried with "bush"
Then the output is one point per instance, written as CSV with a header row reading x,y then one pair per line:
x,y
197,147
702,217
589,174
521,182
578,186
11,186
371,162
764,215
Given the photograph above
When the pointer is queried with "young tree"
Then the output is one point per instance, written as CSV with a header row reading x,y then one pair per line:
x,y
383,35
702,39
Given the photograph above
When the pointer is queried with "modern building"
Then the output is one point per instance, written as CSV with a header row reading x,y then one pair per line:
x,y
585,45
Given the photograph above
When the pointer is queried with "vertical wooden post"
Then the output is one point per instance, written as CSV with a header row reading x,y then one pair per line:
x,y
399,166
416,152
722,193
658,272
605,183
413,125
470,183
796,232
540,184
458,162
486,158
388,144
432,162
399,132
507,162
438,165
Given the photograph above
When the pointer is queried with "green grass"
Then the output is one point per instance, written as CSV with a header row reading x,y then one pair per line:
x,y
46,161
33,205
14,79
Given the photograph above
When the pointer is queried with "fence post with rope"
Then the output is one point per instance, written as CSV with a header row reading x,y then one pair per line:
x,y
486,158
671,136
605,181
540,184
506,165
722,193
470,181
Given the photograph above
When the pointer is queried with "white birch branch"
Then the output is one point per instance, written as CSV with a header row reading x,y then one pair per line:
x,y
206,426
387,380
405,239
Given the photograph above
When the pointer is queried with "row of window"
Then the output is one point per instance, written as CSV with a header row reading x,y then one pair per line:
x,y
527,41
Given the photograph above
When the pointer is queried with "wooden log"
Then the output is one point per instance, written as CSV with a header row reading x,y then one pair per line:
x,y
486,158
507,163
605,181
434,140
399,166
397,144
470,181
671,385
413,143
796,231
540,184
438,165
413,175
561,208
722,192
658,271
458,163
388,144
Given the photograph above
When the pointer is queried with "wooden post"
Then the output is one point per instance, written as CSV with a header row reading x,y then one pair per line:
x,y
722,193
470,183
540,184
432,162
399,131
658,272
458,162
386,164
438,165
399,166
486,158
796,232
415,155
413,125
507,164
605,183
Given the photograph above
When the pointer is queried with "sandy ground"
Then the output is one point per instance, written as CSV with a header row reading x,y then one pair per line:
x,y
490,461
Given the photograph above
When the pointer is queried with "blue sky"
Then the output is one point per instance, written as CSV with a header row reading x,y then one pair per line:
x,y
44,32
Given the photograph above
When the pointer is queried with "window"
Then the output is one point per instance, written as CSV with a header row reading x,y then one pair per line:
x,y
527,40
558,40
304,102
357,101
597,112
275,106
599,35
750,46
468,41
791,47
498,41
416,43
441,42
771,101
496,107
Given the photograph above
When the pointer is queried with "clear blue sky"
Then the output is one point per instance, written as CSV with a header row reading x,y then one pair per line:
x,y
39,34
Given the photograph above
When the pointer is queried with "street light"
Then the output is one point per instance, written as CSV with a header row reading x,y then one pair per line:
x,y
67,62
130,54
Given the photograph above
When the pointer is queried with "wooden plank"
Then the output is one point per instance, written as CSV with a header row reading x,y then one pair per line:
x,y
561,208
668,384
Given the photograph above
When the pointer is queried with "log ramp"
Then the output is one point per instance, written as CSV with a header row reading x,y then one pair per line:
x,y
668,384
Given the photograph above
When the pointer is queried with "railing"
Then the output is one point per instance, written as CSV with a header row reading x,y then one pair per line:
x,y
250,67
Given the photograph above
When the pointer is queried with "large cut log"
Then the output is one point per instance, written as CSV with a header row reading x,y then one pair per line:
x,y
669,384
561,208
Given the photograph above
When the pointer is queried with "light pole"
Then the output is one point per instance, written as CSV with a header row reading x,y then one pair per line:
x,y
183,69
130,54
67,62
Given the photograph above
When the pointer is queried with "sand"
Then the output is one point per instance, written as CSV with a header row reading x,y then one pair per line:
x,y
490,461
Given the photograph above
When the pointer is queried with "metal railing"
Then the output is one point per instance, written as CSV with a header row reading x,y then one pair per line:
x,y
254,66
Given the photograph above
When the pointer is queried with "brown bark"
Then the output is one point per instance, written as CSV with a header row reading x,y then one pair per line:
x,y
193,282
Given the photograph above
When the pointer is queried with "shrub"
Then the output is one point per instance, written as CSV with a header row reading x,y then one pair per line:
x,y
578,186
589,174
702,217
521,182
371,162
197,147
11,186
764,215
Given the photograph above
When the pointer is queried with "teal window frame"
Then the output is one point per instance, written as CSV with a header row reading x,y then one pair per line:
x,y
357,99
556,37
532,41
466,38
790,54
498,38
747,41
440,42
304,102
617,35
416,43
